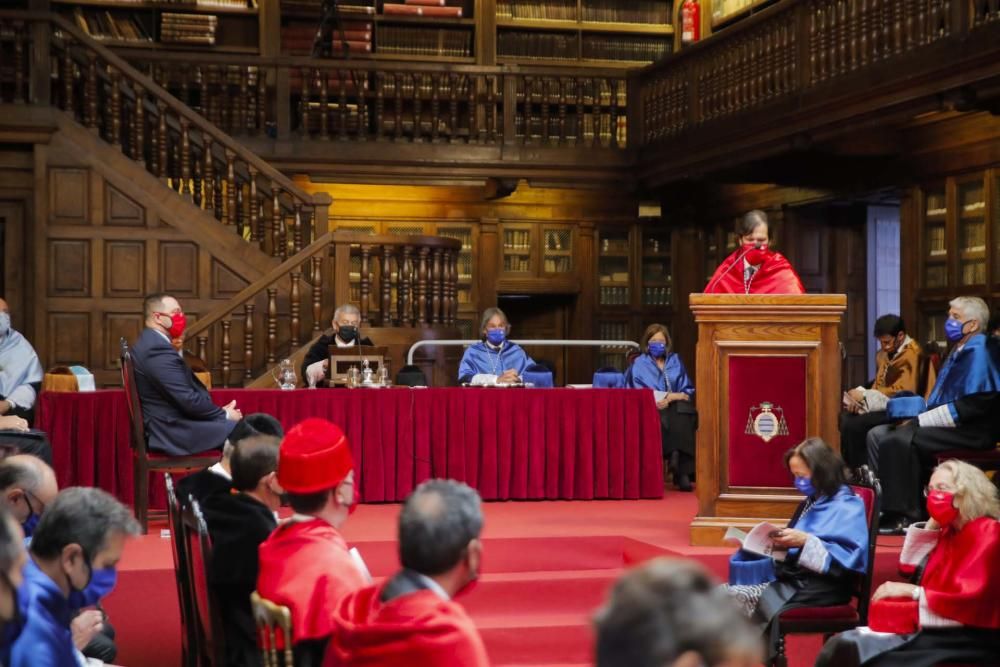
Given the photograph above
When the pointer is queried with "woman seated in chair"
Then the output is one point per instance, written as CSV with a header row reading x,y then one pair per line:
x,y
825,546
496,360
952,615
660,369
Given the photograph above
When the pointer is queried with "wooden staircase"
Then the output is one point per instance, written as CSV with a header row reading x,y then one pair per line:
x,y
173,167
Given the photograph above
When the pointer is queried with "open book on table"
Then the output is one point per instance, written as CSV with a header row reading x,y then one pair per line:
x,y
759,540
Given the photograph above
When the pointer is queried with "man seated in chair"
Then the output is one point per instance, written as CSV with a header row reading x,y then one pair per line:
x,y
897,369
218,478
20,370
178,412
238,523
412,619
343,332
961,413
305,564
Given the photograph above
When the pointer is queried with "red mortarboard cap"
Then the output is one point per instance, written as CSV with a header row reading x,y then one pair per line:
x,y
314,456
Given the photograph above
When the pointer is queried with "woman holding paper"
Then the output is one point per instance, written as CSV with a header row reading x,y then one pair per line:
x,y
661,370
950,613
823,549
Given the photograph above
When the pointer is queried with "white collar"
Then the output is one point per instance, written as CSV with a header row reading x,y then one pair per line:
x,y
494,348
340,343
432,585
165,336
220,471
906,341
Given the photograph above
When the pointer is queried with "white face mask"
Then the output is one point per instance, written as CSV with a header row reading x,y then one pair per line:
x,y
4,323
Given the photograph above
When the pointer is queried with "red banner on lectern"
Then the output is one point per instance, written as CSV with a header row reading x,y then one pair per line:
x,y
767,416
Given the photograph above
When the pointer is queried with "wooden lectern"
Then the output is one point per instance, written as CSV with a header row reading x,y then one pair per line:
x,y
768,376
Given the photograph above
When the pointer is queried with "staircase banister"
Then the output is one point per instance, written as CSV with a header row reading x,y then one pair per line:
x,y
256,287
362,239
218,136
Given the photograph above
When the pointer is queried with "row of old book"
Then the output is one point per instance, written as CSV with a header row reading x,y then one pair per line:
x,y
104,25
356,37
597,127
563,46
602,11
429,8
188,28
640,49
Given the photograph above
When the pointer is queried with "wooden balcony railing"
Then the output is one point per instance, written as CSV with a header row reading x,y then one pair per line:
x,y
54,63
792,48
411,279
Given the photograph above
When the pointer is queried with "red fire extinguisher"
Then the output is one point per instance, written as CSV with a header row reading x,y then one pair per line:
x,y
690,22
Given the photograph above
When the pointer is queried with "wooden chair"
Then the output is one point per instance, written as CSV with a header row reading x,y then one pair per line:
x,y
209,646
839,618
144,462
182,574
274,631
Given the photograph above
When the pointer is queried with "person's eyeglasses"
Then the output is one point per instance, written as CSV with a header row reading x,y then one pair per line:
x,y
31,509
927,490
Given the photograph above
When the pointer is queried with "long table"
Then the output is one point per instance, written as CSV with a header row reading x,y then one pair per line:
x,y
509,444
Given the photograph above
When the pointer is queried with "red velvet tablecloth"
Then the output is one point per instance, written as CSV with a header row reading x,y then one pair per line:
x,y
510,444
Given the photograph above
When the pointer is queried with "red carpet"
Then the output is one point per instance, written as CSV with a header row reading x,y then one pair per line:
x,y
547,567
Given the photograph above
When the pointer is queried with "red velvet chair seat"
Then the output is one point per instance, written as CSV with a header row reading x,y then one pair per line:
x,y
841,612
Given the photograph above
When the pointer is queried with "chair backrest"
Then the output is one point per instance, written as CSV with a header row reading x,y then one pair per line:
x,y
926,375
182,572
274,631
137,432
208,621
538,375
608,378
867,487
411,376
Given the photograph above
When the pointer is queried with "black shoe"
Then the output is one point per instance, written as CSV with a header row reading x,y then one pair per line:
x,y
897,527
683,483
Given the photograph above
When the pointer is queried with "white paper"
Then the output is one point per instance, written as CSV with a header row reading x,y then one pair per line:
x,y
659,395
360,563
758,540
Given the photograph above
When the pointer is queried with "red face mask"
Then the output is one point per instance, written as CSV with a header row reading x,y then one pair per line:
x,y
941,507
178,322
754,255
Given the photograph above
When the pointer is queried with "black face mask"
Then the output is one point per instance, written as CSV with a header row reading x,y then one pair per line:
x,y
347,333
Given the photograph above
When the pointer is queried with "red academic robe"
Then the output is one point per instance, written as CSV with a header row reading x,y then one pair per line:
x,y
774,276
416,630
305,566
962,577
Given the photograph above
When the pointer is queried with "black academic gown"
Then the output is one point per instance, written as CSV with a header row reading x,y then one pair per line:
x,y
201,485
320,350
237,524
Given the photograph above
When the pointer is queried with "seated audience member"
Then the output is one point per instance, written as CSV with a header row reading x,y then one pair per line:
x,y
305,564
961,414
80,539
826,541
412,619
668,613
12,560
21,379
238,523
178,412
951,615
494,360
343,332
897,366
27,486
660,369
217,478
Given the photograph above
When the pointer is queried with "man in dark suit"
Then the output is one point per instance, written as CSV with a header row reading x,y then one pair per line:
x,y
343,332
178,412
218,478
238,523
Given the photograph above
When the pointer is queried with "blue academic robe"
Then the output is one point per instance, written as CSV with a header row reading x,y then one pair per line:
x,y
482,358
45,640
645,374
840,523
972,370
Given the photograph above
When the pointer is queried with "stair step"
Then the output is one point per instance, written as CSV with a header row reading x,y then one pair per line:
x,y
552,639
548,592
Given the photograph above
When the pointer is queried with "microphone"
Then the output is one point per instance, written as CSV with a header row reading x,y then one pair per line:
x,y
712,284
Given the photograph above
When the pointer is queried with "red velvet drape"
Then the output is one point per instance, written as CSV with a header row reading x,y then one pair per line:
x,y
510,444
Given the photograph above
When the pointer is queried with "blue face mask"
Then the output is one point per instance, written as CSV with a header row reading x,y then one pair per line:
x,y
102,582
657,350
30,524
953,329
805,486
496,336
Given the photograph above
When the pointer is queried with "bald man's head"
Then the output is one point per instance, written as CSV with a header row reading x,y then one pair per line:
x,y
27,485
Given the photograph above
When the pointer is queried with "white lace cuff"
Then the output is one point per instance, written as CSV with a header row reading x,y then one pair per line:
x,y
875,401
943,416
814,555
919,542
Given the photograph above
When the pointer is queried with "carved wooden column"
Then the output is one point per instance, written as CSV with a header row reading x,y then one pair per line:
x,y
294,308
386,278
436,287
317,292
422,277
248,309
365,284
